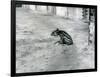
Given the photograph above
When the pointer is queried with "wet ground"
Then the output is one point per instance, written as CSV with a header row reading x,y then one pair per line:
x,y
35,48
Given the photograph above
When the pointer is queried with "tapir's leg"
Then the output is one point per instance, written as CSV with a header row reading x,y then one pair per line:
x,y
59,42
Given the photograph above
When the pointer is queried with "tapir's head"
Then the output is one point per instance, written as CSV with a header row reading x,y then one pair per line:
x,y
55,32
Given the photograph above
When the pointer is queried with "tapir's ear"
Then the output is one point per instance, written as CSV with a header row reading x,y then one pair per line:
x,y
57,29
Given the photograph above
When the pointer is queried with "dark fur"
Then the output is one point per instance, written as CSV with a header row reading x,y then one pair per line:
x,y
65,38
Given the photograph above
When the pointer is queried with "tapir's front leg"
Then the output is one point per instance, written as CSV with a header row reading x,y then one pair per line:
x,y
59,42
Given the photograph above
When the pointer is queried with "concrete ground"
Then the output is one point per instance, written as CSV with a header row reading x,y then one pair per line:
x,y
35,48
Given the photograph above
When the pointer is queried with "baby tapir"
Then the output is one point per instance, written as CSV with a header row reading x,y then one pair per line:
x,y
65,38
